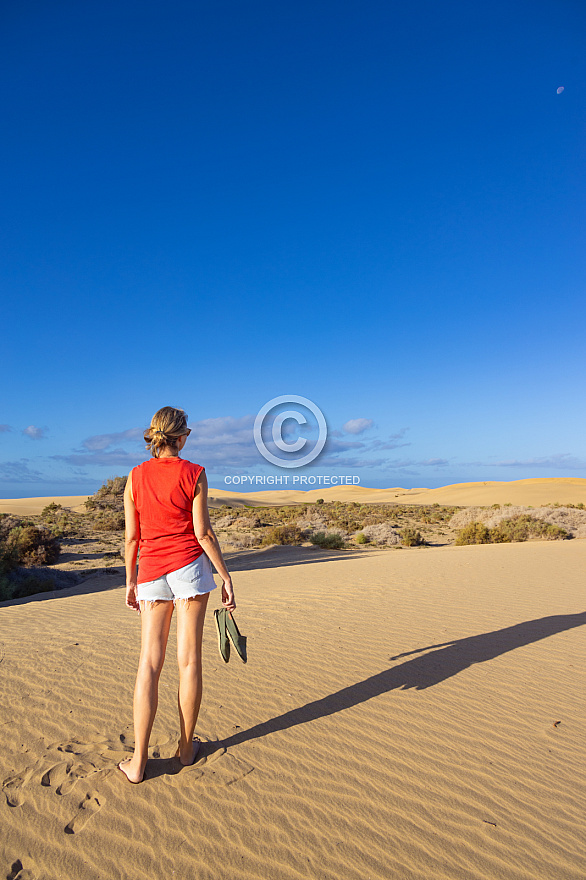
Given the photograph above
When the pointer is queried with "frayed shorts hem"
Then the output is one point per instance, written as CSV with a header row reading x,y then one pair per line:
x,y
188,582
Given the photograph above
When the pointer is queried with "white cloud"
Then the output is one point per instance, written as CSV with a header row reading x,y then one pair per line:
x,y
223,443
357,426
35,433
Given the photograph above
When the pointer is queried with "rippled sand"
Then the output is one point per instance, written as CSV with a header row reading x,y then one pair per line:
x,y
404,714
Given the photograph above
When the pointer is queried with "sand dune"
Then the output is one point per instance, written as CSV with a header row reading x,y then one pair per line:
x,y
570,490
521,492
403,716
25,506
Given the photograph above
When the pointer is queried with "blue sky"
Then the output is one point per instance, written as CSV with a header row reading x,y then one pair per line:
x,y
378,206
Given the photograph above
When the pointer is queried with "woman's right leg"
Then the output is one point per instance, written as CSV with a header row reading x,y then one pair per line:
x,y
155,624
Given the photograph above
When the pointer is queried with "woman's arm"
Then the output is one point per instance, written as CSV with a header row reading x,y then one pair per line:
x,y
207,538
131,540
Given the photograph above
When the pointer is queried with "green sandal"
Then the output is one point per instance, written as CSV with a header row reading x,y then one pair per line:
x,y
223,643
238,640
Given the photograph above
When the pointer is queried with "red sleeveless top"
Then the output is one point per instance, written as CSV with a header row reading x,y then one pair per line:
x,y
163,490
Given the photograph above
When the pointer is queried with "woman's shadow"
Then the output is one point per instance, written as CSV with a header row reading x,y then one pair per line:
x,y
443,661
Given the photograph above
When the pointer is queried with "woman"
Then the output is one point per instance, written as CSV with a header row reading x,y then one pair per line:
x,y
165,504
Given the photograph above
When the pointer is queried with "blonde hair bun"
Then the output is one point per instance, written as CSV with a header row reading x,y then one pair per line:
x,y
167,426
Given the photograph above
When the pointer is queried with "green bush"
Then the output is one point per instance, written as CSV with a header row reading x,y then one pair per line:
x,y
110,496
109,521
411,537
473,533
523,528
8,557
361,538
24,544
328,540
319,501
32,545
290,534
51,508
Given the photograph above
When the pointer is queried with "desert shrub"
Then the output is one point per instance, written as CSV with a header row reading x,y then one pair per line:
x,y
328,540
244,541
473,533
312,522
319,501
110,496
115,486
58,521
8,557
468,515
32,545
289,534
382,534
523,528
361,538
5,589
109,521
411,537
223,522
51,508
573,521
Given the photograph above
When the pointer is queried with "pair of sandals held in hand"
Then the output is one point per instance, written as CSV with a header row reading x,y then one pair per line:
x,y
227,630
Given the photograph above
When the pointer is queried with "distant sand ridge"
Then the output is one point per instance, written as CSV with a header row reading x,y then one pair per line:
x,y
568,490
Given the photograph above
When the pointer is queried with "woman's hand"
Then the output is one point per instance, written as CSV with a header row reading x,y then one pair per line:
x,y
228,600
131,600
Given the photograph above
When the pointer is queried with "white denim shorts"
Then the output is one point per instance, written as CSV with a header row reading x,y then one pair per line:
x,y
194,579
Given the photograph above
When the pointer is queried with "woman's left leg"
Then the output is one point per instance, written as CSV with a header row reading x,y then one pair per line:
x,y
190,621
155,624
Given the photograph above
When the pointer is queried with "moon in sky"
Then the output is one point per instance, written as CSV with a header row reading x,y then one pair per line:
x,y
560,90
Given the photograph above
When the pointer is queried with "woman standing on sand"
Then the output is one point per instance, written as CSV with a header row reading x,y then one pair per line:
x,y
165,504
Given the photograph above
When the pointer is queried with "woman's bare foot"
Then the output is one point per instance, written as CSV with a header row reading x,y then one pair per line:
x,y
189,757
132,772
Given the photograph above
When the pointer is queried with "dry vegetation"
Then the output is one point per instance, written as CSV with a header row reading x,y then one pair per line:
x,y
333,525
59,548
39,553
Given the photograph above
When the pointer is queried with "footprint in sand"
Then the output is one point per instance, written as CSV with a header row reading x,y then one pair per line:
x,y
88,807
63,776
17,872
216,766
79,772
13,786
56,775
74,747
